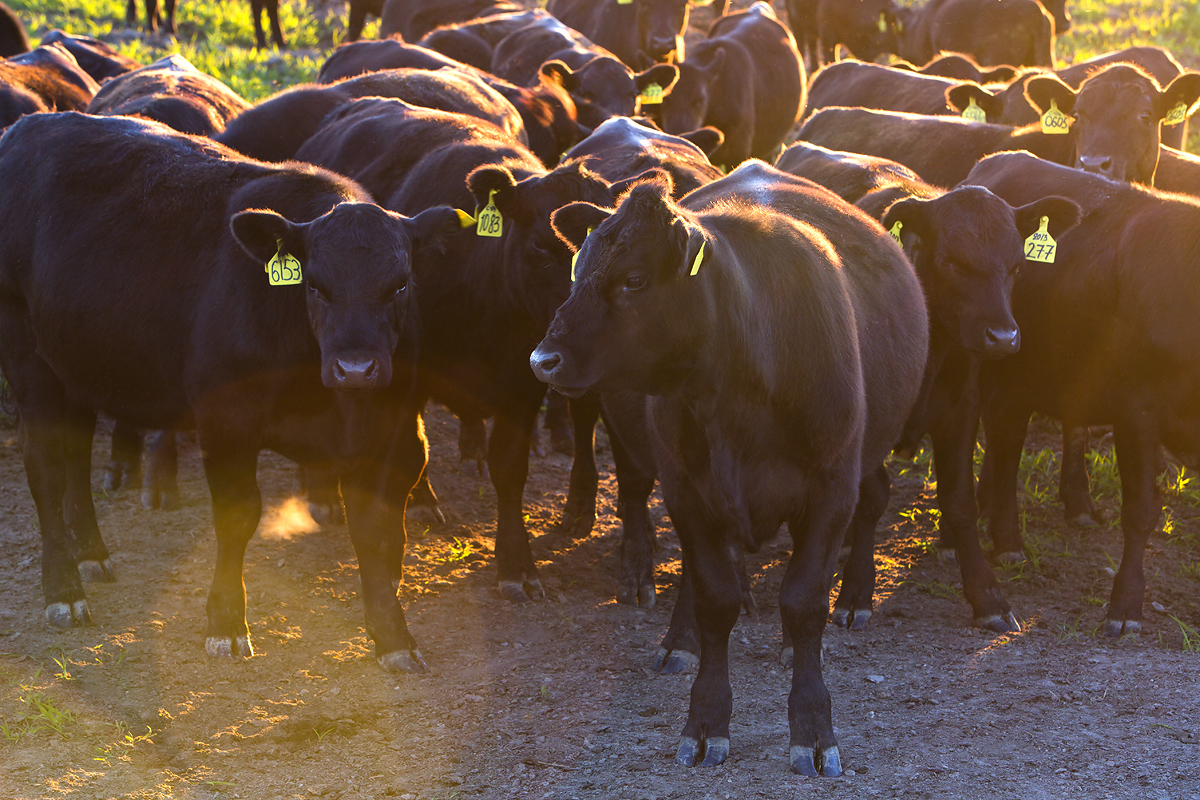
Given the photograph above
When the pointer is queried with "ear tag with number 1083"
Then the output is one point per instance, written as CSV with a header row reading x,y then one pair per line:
x,y
1041,245
283,269
490,222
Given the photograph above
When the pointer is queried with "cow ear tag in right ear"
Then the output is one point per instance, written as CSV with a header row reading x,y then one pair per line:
x,y
1055,121
490,223
575,257
1041,245
698,261
895,231
465,220
283,269
973,113
1176,115
652,95
882,22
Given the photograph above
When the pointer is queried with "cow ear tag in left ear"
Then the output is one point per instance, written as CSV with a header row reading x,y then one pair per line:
x,y
1041,245
465,220
882,22
575,257
699,259
973,113
283,269
1055,121
1176,115
490,222
895,231
652,95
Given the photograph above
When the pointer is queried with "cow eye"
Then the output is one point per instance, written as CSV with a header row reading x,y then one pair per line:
x,y
317,292
401,289
1146,117
635,282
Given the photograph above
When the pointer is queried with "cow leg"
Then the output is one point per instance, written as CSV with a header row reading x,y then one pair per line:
x,y
1074,489
635,585
1005,433
160,487
87,548
508,462
1138,454
356,21
804,605
472,443
276,31
125,458
579,513
408,473
954,454
169,8
855,600
324,498
131,13
256,11
424,497
559,417
151,15
680,645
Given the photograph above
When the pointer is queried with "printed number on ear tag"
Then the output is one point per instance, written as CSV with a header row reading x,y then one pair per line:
x,y
1055,121
973,113
284,269
575,257
1176,115
652,95
490,222
699,259
1041,245
895,231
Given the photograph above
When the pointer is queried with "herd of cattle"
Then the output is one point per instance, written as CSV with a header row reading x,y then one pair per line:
x,y
510,205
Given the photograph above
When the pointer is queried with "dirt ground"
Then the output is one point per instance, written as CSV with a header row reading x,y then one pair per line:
x,y
556,699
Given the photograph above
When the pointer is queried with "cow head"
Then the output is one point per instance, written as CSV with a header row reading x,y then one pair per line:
x,y
605,88
551,119
660,28
687,105
356,262
622,327
966,246
537,264
1062,17
1117,114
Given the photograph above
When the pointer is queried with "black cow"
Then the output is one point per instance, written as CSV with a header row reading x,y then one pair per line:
x,y
859,83
966,245
13,40
47,78
622,148
173,92
1177,172
868,28
95,57
959,66
275,129
412,19
474,41
1107,339
779,334
747,80
848,175
180,321
601,86
484,307
1018,33
153,18
640,32
942,150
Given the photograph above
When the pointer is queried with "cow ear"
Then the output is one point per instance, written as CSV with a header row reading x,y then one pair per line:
x,y
708,139
262,233
573,221
716,64
911,214
1184,90
665,75
1004,74
697,251
484,181
901,64
959,98
1041,89
653,174
1063,214
559,74
433,227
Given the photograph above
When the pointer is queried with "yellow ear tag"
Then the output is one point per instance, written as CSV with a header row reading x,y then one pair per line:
x,y
699,258
465,220
882,22
652,95
1055,121
1041,245
895,231
490,222
973,113
575,257
624,2
283,269
1176,115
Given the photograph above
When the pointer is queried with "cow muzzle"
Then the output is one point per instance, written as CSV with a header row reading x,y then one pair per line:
x,y
1099,165
1000,342
355,373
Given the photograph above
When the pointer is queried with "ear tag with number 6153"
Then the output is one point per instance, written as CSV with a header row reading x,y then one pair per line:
x,y
490,222
283,269
1041,245
973,113
1055,121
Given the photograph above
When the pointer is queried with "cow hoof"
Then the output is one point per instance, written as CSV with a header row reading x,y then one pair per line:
x,y
326,515
572,527
810,762
522,591
224,647
97,571
1084,520
947,555
709,753
716,750
407,661
904,453
1116,628
633,594
426,515
855,620
787,656
68,615
1011,557
1000,623
672,662
646,595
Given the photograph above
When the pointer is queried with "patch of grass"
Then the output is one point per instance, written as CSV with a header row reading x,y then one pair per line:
x,y
935,588
1191,639
1076,630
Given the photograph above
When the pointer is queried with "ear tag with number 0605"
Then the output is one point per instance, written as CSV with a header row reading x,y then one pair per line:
x,y
1041,245
652,95
1055,121
575,257
973,113
895,231
490,222
1176,115
283,269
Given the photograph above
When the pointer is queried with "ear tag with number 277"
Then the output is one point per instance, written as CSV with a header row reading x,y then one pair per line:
x,y
1041,245
283,269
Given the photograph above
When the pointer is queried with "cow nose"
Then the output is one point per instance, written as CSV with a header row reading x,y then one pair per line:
x,y
660,48
1003,341
544,365
358,373
1100,165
